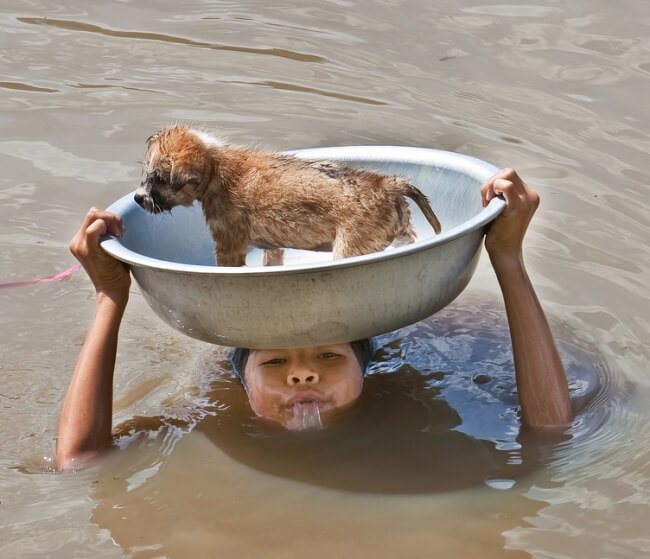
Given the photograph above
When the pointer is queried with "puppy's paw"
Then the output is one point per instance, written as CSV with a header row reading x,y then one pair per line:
x,y
273,257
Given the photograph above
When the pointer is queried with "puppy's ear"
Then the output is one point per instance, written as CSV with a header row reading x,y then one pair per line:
x,y
184,175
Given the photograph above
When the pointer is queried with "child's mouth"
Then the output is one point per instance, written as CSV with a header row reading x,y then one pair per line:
x,y
306,415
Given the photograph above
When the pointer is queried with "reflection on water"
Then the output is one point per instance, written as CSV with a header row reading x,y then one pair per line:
x,y
401,437
558,91
431,420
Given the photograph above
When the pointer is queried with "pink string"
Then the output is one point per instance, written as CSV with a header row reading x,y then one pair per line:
x,y
47,279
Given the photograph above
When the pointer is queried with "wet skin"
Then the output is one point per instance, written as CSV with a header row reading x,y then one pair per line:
x,y
280,381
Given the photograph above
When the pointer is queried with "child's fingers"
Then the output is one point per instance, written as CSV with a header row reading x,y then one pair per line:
x,y
515,190
95,224
505,188
487,191
492,188
114,225
88,243
496,185
509,174
89,218
113,222
96,229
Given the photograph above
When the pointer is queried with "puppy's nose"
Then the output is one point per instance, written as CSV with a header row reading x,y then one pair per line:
x,y
139,198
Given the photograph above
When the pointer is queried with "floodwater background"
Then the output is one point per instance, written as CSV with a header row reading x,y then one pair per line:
x,y
558,90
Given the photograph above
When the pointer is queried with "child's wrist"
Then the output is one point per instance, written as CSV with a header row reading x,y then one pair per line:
x,y
116,299
505,262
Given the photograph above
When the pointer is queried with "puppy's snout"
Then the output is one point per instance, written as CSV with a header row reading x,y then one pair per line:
x,y
139,199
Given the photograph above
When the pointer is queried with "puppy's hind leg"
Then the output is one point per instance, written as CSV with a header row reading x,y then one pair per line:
x,y
405,234
351,242
273,257
404,237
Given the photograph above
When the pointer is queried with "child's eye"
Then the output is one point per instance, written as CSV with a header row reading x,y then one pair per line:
x,y
274,361
329,355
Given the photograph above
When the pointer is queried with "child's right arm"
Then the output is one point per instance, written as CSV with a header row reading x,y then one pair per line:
x,y
86,417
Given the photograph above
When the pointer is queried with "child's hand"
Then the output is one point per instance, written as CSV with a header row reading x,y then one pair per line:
x,y
506,233
109,276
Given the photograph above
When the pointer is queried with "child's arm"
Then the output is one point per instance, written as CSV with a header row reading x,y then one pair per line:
x,y
541,381
85,423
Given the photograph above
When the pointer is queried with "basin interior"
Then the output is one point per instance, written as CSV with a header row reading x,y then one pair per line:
x,y
183,237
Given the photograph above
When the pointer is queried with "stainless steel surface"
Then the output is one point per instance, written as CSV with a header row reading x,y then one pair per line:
x,y
312,299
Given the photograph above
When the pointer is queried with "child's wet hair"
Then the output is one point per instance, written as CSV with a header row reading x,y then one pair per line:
x,y
363,350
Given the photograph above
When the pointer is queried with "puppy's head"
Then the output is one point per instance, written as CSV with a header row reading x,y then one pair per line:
x,y
176,168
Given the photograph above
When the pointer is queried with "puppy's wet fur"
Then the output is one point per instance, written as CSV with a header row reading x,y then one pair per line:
x,y
275,201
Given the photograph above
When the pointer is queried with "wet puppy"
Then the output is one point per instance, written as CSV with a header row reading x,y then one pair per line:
x,y
275,201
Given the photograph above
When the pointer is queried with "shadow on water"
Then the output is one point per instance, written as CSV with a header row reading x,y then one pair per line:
x,y
438,412
402,436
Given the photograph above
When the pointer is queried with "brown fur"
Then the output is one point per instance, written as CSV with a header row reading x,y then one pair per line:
x,y
275,201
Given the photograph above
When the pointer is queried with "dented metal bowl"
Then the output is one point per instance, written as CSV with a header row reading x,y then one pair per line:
x,y
312,299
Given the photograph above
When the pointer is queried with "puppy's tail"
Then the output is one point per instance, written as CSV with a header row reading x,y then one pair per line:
x,y
422,202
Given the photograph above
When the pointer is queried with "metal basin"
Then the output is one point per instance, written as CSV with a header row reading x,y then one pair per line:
x,y
312,299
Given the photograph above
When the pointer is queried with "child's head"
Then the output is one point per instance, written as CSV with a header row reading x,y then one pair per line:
x,y
362,349
278,381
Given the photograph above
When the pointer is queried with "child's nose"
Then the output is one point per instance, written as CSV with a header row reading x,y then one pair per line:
x,y
302,375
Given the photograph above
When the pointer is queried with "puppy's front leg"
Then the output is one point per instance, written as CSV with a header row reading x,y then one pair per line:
x,y
273,257
354,241
230,257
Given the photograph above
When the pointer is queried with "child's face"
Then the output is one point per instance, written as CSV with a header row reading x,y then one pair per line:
x,y
281,383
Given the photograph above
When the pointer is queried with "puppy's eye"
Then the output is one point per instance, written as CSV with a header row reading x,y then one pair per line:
x,y
157,179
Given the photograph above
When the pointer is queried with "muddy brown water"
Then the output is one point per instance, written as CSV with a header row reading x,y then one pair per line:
x,y
557,90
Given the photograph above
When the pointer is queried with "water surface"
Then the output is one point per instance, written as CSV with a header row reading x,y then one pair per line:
x,y
557,90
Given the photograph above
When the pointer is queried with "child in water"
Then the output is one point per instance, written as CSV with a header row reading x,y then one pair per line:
x,y
285,384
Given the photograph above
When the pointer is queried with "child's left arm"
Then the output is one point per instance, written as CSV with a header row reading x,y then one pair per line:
x,y
541,380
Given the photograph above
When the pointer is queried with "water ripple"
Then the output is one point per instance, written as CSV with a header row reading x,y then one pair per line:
x,y
27,87
303,89
71,25
60,163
